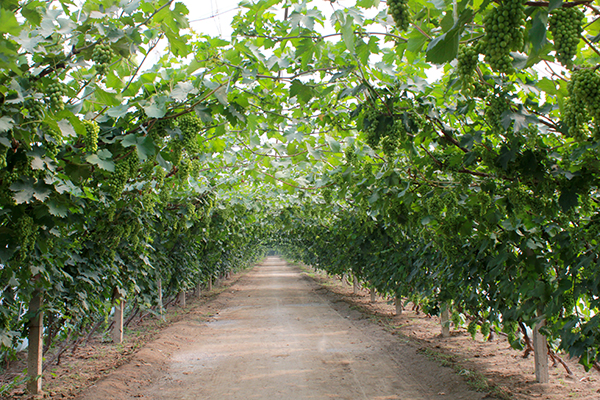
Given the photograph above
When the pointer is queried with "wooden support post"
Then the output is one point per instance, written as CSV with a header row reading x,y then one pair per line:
x,y
36,345
199,289
117,333
182,298
540,352
445,319
373,294
355,284
398,305
209,284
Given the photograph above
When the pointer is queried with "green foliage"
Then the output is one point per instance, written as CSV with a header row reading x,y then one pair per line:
x,y
307,141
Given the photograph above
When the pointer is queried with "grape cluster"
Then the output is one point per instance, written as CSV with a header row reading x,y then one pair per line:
x,y
327,194
52,140
350,155
456,320
26,233
485,329
147,170
503,34
3,154
465,179
102,55
497,104
575,117
195,167
468,57
158,129
160,178
399,11
565,25
184,169
584,101
472,328
177,153
35,110
190,126
568,301
148,201
390,142
370,125
510,328
111,211
55,92
90,139
134,164
7,178
117,181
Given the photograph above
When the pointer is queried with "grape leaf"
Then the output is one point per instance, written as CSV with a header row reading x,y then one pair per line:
x,y
554,4
6,123
568,199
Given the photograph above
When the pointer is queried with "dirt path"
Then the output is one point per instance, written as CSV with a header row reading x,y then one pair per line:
x,y
274,337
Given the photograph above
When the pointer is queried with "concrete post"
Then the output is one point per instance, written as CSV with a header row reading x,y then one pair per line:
x,y
540,352
36,345
117,333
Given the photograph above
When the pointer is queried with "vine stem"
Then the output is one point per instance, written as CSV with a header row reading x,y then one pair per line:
x,y
296,186
591,45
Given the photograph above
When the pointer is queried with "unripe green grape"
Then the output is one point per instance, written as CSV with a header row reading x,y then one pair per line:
x,y
389,144
497,104
160,178
134,164
111,211
583,105
158,130
184,169
350,155
468,58
177,151
503,34
52,142
195,167
566,27
102,55
35,110
400,12
56,91
117,181
472,328
568,301
190,126
485,329
90,139
3,154
456,320
26,232
370,125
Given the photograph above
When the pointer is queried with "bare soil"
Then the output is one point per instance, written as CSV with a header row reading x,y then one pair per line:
x,y
490,366
275,336
278,332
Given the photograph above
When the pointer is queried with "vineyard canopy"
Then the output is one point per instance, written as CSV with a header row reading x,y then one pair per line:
x,y
449,147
